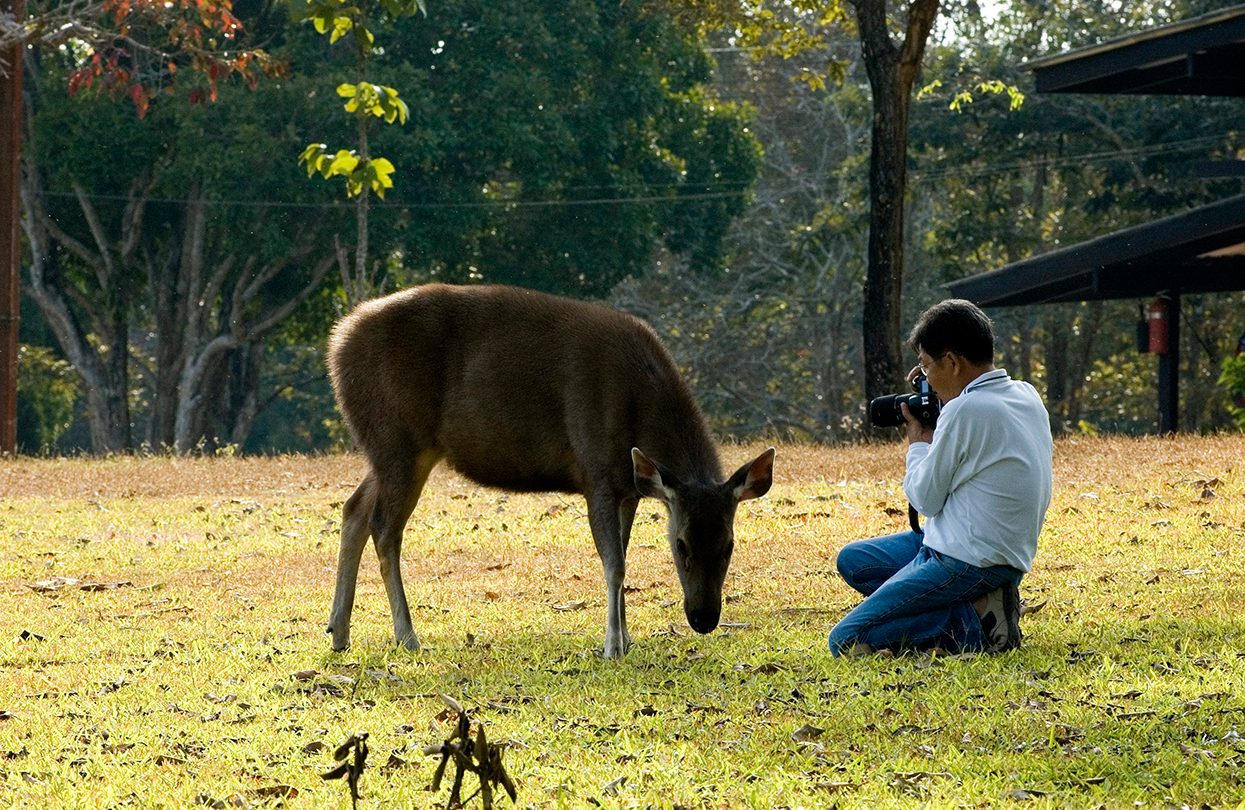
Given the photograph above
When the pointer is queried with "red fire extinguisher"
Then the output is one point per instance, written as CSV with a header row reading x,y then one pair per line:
x,y
1156,320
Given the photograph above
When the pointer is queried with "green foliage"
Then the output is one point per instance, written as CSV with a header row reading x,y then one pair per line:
x,y
362,171
47,391
363,100
560,145
367,99
373,174
962,98
337,18
1232,377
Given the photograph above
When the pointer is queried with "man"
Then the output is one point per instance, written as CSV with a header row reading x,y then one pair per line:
x,y
982,479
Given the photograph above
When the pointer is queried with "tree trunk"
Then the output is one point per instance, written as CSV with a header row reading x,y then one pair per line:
x,y
1057,372
90,325
169,312
1091,320
892,71
245,319
244,394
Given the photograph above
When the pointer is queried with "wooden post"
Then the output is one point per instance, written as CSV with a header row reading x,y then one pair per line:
x,y
10,246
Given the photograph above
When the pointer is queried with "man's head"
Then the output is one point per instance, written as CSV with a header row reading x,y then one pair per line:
x,y
954,325
954,342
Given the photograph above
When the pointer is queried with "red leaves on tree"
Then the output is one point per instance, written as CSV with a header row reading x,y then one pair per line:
x,y
146,42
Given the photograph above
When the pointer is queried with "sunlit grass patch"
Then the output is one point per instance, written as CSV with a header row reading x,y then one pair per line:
x,y
163,644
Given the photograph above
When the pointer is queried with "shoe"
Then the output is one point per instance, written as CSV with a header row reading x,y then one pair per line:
x,y
1000,619
1029,608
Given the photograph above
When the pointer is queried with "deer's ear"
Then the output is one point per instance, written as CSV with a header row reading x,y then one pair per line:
x,y
648,479
754,478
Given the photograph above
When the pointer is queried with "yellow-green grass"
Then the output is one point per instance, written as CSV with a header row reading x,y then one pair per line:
x,y
196,672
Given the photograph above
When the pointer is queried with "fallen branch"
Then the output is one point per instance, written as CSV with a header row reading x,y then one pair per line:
x,y
477,756
349,769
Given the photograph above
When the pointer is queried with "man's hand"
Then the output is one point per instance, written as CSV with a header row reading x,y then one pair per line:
x,y
917,432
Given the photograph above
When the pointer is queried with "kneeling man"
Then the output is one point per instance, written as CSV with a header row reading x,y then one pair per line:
x,y
982,479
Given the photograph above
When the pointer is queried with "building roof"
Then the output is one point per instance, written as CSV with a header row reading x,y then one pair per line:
x,y
1202,250
1202,56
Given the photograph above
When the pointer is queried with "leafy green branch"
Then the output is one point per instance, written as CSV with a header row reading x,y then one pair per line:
x,y
964,97
364,173
364,100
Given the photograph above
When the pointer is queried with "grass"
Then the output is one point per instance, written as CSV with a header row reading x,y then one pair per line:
x,y
188,666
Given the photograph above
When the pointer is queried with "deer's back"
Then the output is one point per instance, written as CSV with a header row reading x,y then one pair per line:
x,y
515,388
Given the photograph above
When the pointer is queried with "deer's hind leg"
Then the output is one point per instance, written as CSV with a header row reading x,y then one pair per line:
x,y
356,517
398,492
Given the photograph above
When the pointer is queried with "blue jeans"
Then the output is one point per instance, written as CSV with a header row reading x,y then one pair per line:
x,y
916,598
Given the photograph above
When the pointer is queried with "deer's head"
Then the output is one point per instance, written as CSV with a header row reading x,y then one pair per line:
x,y
702,527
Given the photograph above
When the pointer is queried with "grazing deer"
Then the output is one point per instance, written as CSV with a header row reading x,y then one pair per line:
x,y
531,393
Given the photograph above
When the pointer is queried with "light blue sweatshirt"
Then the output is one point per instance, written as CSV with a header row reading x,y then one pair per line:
x,y
984,483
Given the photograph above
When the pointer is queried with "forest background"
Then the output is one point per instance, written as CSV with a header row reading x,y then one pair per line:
x,y
182,270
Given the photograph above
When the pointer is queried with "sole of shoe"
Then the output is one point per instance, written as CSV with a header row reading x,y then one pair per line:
x,y
1011,615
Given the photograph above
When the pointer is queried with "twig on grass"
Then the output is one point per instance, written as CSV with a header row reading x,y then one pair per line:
x,y
477,756
349,769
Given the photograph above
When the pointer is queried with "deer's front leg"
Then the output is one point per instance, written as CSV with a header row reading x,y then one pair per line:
x,y
605,515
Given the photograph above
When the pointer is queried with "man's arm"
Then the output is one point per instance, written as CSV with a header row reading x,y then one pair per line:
x,y
931,463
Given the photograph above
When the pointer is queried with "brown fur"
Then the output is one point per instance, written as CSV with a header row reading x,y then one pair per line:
x,y
514,389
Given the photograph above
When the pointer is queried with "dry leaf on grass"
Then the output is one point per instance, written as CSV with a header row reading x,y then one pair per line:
x,y
57,584
806,733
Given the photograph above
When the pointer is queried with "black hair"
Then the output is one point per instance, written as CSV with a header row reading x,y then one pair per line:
x,y
954,325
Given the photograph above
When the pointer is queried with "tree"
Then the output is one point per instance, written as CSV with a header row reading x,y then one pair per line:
x,y
893,68
170,247
119,47
137,49
555,145
773,344
139,246
365,174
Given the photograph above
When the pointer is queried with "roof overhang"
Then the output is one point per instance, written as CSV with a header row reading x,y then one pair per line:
x,y
1201,56
1198,251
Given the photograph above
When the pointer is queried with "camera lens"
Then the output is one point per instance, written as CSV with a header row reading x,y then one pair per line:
x,y
885,412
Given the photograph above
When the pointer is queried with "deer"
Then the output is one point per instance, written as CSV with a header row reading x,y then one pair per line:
x,y
528,392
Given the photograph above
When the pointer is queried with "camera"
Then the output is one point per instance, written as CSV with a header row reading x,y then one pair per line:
x,y
924,405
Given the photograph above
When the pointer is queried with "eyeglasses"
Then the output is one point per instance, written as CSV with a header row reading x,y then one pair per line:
x,y
924,367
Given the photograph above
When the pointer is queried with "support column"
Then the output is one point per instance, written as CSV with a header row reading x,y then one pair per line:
x,y
10,212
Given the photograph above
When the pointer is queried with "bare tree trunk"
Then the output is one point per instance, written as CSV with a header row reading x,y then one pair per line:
x,y
182,300
245,405
892,70
245,319
168,312
90,324
1091,319
1057,374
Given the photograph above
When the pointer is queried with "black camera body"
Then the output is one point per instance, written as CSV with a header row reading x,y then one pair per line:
x,y
924,405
